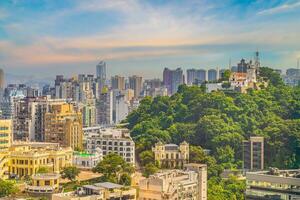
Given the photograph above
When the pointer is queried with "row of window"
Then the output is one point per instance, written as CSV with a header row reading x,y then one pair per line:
x,y
109,143
111,148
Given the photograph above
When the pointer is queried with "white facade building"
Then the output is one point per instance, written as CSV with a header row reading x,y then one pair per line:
x,y
110,140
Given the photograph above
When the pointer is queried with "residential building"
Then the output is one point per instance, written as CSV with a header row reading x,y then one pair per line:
x,y
43,185
273,184
63,125
99,191
196,76
5,134
84,160
253,153
172,79
213,75
118,82
135,83
101,70
105,107
110,140
188,184
122,108
171,155
25,158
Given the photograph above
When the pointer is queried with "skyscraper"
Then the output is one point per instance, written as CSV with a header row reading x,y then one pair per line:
x,y
2,84
253,153
101,70
196,76
172,79
104,107
135,83
212,75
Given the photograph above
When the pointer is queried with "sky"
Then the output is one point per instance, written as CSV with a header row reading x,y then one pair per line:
x,y
48,37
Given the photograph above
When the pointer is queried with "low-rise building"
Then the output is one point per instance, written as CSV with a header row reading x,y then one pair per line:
x,y
274,184
188,184
99,191
110,140
84,160
171,155
253,154
43,184
25,158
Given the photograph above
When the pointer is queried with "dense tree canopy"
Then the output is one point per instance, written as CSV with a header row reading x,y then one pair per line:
x,y
220,121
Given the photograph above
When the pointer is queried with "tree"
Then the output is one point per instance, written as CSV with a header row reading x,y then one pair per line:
x,y
146,157
7,188
114,169
150,169
70,173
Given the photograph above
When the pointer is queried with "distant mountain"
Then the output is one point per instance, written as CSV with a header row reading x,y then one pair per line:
x,y
28,80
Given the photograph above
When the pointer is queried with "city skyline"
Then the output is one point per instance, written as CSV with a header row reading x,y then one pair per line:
x,y
143,37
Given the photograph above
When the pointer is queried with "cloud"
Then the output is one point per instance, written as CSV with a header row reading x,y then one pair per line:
x,y
281,8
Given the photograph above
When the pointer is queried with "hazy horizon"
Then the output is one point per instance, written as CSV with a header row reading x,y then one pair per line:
x,y
48,37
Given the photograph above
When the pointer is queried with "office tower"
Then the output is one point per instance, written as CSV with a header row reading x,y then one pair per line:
x,y
118,82
6,134
172,79
101,70
63,125
253,153
104,107
212,75
110,140
135,83
122,108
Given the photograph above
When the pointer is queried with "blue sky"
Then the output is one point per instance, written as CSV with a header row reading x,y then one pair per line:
x,y
48,37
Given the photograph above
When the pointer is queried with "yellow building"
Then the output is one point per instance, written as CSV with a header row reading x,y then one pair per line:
x,y
5,134
43,184
63,125
24,159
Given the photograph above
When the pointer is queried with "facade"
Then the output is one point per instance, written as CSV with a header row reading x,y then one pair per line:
x,y
118,82
172,79
63,125
274,184
122,108
110,140
99,191
24,158
105,108
136,84
196,76
87,160
171,155
253,153
188,184
212,75
5,134
101,70
43,184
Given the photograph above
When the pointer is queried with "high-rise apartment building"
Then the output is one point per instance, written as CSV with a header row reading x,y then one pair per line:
x,y
253,153
63,125
118,82
5,134
172,79
136,83
105,107
122,108
196,76
212,75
